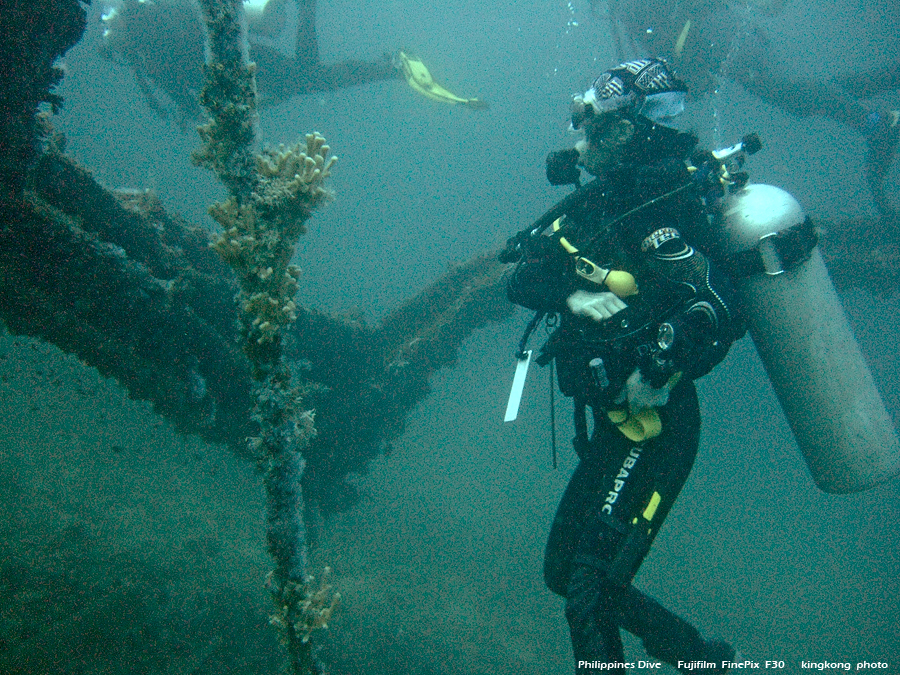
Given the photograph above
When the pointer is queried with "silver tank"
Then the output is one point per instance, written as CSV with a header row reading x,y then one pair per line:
x,y
810,354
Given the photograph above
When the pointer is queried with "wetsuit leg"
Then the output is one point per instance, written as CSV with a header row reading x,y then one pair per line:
x,y
612,485
592,606
668,637
576,511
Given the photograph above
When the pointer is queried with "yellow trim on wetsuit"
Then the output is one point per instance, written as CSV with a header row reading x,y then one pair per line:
x,y
639,426
650,511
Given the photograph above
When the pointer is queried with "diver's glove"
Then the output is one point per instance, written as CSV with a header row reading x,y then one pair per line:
x,y
595,306
641,395
562,168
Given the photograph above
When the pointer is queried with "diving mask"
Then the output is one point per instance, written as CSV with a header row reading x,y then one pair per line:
x,y
644,87
663,109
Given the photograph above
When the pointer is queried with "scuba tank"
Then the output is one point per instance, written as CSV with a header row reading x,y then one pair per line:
x,y
801,333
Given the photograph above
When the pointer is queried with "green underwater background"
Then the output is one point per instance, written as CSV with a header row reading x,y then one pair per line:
x,y
127,548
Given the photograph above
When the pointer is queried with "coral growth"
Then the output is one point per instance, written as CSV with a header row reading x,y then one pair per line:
x,y
292,181
259,235
302,608
33,35
229,97
272,194
426,331
231,127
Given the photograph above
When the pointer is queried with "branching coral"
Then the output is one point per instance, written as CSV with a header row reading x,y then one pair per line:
x,y
259,235
292,181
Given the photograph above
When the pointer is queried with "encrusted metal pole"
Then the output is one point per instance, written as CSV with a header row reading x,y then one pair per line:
x,y
228,97
272,194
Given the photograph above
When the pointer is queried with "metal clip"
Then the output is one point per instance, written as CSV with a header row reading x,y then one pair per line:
x,y
772,263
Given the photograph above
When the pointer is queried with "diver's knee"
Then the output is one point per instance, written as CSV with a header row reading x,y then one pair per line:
x,y
555,579
590,595
558,565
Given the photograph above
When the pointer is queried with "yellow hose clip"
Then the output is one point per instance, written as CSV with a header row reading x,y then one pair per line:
x,y
643,424
619,282
562,240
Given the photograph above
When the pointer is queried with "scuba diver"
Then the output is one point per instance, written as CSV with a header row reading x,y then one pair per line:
x,y
163,43
707,41
641,313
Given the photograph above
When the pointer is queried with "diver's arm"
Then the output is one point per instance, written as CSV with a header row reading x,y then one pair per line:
x,y
543,279
280,78
353,73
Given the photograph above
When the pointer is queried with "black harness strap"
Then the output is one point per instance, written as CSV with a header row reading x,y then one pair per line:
x,y
553,410
529,329
793,245
581,440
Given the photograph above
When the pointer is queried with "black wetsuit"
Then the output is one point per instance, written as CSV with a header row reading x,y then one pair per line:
x,y
592,553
